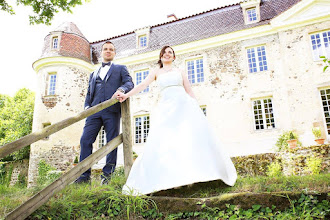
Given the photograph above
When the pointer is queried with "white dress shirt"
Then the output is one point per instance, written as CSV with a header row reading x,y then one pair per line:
x,y
104,70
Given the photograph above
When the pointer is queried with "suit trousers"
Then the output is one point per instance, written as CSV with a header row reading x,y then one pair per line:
x,y
93,124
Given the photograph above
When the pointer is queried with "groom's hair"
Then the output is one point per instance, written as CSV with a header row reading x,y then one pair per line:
x,y
107,42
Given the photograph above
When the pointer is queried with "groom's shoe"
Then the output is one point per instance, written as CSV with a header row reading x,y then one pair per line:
x,y
82,181
105,180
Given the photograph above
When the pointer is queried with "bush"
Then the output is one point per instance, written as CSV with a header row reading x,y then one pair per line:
x,y
317,132
314,165
46,173
274,169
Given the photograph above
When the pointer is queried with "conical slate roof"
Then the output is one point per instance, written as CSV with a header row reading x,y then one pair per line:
x,y
70,43
70,28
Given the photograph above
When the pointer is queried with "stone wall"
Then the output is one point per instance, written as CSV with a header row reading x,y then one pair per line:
x,y
59,149
293,161
293,80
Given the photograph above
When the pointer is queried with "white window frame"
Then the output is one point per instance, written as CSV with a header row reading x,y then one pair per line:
x,y
144,73
324,49
51,89
143,44
264,119
248,5
55,42
102,138
257,59
196,68
144,32
248,20
325,104
144,127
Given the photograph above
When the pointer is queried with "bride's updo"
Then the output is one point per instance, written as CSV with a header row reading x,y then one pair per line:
x,y
162,51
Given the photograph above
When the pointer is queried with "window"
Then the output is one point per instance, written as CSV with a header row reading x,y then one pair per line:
x,y
142,41
203,108
257,59
140,76
263,114
325,97
195,70
142,124
55,43
320,44
102,138
51,84
251,14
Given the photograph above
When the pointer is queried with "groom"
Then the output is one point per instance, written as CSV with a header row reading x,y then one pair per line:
x,y
104,83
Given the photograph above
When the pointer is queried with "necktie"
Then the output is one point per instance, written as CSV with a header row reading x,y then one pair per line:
x,y
105,64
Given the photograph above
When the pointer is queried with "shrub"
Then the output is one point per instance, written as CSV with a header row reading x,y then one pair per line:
x,y
314,165
317,132
274,169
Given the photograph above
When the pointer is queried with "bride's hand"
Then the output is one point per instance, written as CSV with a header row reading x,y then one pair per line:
x,y
121,97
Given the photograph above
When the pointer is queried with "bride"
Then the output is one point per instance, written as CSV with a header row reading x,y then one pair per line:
x,y
181,148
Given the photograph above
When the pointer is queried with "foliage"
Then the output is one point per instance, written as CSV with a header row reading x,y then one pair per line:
x,y
294,160
16,115
5,173
274,169
44,10
281,143
93,201
253,165
307,207
76,160
46,173
326,61
317,132
314,165
135,155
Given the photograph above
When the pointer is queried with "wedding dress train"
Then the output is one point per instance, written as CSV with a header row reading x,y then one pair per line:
x,y
181,147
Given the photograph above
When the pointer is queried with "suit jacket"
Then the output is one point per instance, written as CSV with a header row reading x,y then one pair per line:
x,y
117,77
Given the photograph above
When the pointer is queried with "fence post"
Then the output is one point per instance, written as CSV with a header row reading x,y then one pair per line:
x,y
127,136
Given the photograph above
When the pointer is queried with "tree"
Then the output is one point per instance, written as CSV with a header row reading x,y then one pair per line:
x,y
44,10
16,115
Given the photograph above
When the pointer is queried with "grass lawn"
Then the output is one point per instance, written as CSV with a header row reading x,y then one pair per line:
x,y
106,202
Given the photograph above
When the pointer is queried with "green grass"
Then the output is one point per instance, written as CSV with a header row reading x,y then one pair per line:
x,y
107,202
310,183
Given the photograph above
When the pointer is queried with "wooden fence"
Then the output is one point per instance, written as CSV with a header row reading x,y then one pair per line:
x,y
44,195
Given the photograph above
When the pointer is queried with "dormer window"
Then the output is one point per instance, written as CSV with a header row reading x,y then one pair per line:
x,y
142,41
55,42
142,37
251,14
251,11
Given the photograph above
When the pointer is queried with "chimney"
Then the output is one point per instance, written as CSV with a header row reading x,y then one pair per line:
x,y
172,17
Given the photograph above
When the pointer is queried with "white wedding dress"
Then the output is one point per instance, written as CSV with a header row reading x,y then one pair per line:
x,y
181,147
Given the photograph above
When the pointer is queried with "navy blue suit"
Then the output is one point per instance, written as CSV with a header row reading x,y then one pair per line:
x,y
99,91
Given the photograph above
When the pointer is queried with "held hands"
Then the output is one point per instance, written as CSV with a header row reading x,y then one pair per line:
x,y
120,96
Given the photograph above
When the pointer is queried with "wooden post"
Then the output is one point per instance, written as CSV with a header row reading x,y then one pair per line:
x,y
44,195
127,136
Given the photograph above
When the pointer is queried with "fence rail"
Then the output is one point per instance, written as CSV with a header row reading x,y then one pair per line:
x,y
44,195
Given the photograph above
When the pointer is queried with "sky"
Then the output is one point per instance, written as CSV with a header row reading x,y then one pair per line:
x,y
21,43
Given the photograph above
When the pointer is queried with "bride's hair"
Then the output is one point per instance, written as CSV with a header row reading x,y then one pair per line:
x,y
162,51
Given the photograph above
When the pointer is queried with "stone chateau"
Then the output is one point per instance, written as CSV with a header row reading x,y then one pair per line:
x,y
254,67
